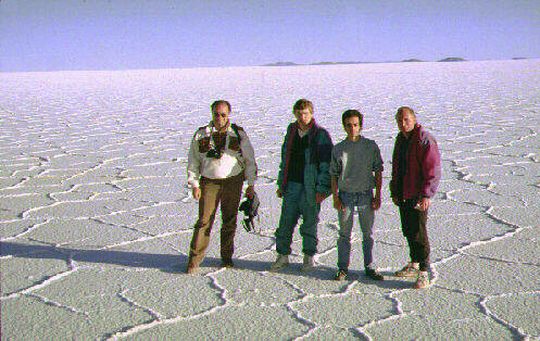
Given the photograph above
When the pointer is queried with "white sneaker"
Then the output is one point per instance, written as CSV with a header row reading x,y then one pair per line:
x,y
281,262
309,264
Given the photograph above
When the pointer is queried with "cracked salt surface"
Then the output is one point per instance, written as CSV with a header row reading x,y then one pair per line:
x,y
96,217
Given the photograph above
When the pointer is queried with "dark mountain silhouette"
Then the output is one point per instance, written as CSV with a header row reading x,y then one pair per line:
x,y
412,60
281,64
452,59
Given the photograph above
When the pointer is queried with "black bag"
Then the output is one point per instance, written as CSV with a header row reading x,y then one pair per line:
x,y
250,209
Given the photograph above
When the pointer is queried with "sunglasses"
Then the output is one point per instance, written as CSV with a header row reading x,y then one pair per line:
x,y
220,114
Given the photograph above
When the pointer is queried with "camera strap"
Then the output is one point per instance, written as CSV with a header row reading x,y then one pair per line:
x,y
234,128
213,143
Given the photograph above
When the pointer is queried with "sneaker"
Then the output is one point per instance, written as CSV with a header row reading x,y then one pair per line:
x,y
309,264
341,275
281,262
409,270
422,281
374,275
227,263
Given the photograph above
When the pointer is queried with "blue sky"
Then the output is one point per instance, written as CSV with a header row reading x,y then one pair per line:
x,y
131,34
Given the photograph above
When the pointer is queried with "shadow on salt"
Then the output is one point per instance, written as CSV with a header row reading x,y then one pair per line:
x,y
176,264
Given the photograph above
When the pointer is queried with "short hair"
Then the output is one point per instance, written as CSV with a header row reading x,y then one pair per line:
x,y
302,104
402,110
352,113
219,102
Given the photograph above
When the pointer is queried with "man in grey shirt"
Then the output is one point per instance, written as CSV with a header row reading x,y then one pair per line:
x,y
355,169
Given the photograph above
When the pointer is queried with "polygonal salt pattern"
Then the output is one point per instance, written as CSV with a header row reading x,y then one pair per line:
x,y
96,217
249,322
438,314
478,274
517,311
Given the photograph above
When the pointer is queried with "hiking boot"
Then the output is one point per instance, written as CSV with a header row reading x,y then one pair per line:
x,y
227,263
341,275
409,270
309,264
281,262
422,281
374,275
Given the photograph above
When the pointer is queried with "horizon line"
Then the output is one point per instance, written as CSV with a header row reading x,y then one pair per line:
x,y
273,65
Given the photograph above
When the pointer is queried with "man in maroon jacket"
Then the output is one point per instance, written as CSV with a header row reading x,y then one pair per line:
x,y
416,172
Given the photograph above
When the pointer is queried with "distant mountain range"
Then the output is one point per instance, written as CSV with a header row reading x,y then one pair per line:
x,y
413,60
452,59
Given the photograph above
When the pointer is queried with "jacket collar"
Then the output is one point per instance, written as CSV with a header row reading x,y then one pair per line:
x,y
210,127
311,124
312,128
414,133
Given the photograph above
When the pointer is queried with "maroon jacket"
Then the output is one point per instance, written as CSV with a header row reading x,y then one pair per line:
x,y
423,170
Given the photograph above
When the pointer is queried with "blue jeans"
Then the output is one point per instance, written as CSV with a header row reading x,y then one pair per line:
x,y
295,204
366,216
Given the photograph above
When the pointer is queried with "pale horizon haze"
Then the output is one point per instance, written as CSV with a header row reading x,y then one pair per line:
x,y
120,35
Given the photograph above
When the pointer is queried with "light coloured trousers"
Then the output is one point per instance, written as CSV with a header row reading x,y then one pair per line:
x,y
361,201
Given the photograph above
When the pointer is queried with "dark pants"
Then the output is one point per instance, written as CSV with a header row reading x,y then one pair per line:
x,y
228,193
414,228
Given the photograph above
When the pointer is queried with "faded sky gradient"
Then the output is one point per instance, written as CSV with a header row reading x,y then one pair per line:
x,y
43,35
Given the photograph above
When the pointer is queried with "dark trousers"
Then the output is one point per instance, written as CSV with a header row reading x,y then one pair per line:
x,y
414,228
228,193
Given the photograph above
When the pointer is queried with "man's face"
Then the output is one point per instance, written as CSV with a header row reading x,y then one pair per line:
x,y
303,117
220,116
352,127
406,122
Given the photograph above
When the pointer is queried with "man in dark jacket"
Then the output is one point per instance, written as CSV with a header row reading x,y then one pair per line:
x,y
303,183
416,172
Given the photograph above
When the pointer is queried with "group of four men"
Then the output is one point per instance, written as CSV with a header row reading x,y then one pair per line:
x,y
221,157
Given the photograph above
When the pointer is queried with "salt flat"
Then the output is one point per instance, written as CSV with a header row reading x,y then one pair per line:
x,y
96,217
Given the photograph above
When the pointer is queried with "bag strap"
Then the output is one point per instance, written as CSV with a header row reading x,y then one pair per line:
x,y
235,129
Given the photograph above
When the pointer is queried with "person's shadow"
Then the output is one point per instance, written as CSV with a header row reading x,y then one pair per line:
x,y
173,263
122,258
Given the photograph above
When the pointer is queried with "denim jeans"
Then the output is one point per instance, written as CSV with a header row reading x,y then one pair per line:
x,y
295,204
361,201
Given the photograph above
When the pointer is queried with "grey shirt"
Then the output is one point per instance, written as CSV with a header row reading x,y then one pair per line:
x,y
353,164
